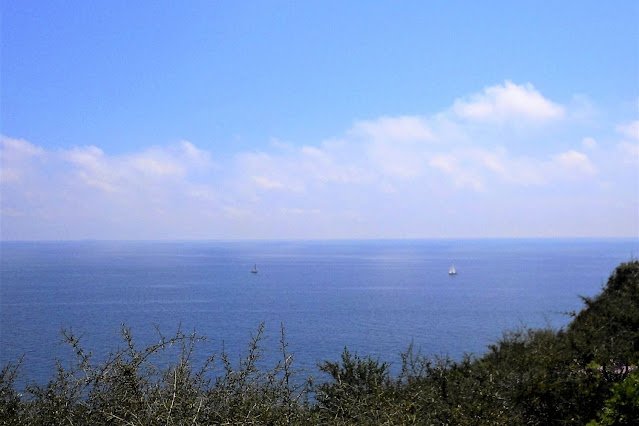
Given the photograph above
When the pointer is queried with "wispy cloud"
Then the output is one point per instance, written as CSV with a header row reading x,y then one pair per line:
x,y
381,177
574,164
18,157
396,129
630,130
629,146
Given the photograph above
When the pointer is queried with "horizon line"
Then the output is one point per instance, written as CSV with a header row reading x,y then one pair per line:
x,y
371,239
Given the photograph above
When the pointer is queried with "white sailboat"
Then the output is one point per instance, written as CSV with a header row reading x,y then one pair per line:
x,y
452,270
254,270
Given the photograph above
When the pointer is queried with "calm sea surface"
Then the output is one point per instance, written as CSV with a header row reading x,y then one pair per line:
x,y
375,297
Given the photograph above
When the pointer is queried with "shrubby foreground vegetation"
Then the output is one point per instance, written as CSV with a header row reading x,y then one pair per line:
x,y
584,374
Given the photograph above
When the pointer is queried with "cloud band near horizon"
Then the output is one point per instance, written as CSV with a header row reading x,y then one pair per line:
x,y
502,162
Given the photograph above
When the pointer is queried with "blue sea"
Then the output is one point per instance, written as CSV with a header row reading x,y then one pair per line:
x,y
374,297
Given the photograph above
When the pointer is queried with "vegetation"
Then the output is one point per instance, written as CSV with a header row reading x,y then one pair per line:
x,y
584,374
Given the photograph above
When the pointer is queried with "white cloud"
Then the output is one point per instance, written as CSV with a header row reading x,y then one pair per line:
x,y
267,183
149,167
202,192
235,212
16,158
445,162
9,174
574,164
93,168
396,162
262,171
194,157
589,143
394,147
19,148
326,164
493,161
71,189
173,161
630,153
395,129
158,167
630,130
628,147
508,102
295,211
462,175
406,175
89,157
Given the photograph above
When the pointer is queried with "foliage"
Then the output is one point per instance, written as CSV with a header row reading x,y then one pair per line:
x,y
358,393
137,387
623,406
585,373
606,331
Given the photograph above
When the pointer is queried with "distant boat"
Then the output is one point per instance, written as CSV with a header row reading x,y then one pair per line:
x,y
254,271
452,270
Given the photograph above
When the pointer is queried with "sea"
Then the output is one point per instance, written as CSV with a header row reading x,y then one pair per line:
x,y
374,297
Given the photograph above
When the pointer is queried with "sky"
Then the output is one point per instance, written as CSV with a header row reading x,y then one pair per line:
x,y
223,120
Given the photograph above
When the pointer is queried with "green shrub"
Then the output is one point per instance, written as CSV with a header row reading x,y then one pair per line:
x,y
622,408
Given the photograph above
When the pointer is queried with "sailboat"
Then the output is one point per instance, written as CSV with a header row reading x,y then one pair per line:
x,y
254,270
452,270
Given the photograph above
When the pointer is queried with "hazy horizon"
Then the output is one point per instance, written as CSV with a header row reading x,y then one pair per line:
x,y
332,240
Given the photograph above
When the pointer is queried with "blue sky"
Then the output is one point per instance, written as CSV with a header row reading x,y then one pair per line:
x,y
242,120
